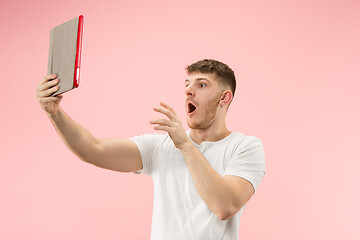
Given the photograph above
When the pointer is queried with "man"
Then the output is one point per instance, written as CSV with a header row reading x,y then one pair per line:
x,y
202,177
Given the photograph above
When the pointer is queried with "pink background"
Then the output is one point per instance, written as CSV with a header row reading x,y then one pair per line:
x,y
297,66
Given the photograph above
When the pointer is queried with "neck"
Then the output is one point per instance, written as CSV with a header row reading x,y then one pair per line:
x,y
214,132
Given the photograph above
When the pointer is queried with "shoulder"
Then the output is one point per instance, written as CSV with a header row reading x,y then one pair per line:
x,y
153,136
243,139
240,142
152,139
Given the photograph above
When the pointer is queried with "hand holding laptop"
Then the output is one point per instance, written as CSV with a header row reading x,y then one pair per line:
x,y
47,86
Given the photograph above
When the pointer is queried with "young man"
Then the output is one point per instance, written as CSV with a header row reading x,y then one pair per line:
x,y
202,177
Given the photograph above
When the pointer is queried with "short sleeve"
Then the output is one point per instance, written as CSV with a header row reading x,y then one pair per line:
x,y
146,145
248,162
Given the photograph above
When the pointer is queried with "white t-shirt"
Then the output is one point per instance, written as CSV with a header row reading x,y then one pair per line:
x,y
178,211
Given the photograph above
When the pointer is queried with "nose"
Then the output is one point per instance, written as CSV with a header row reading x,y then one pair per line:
x,y
189,91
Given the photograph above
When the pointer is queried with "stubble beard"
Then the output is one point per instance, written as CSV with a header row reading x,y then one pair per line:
x,y
210,113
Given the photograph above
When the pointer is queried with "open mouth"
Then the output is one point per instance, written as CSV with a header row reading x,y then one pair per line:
x,y
191,108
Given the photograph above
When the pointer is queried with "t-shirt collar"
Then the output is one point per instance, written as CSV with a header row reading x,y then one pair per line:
x,y
208,143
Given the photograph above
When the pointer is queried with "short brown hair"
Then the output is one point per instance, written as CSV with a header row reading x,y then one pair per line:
x,y
223,72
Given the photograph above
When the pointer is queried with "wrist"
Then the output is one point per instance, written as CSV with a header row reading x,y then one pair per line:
x,y
54,115
188,145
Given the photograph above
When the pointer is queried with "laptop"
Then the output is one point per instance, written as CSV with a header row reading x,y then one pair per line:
x,y
65,53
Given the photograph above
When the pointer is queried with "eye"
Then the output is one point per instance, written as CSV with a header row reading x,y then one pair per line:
x,y
202,85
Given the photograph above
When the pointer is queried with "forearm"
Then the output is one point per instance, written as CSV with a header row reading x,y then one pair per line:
x,y
223,195
80,141
215,191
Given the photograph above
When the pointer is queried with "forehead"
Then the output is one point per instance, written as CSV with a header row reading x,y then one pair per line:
x,y
201,76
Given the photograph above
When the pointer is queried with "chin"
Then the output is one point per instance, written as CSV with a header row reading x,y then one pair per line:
x,y
197,125
192,125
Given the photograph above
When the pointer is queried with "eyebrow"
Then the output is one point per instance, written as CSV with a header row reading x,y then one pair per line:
x,y
198,79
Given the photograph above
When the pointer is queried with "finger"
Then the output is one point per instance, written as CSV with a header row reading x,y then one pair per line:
x,y
47,78
48,84
58,98
162,122
48,99
48,92
168,107
163,128
55,99
164,111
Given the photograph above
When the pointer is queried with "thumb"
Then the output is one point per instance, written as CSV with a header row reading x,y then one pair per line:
x,y
59,97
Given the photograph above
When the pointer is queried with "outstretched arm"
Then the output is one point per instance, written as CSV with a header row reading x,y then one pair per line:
x,y
114,154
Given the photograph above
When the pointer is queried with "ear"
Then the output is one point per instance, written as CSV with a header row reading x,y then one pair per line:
x,y
226,98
